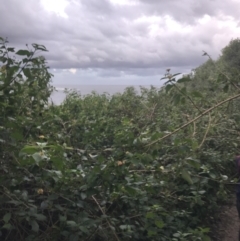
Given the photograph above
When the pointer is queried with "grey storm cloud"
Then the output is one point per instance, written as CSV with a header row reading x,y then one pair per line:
x,y
139,37
188,11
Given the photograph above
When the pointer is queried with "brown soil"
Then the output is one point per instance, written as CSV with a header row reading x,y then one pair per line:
x,y
228,224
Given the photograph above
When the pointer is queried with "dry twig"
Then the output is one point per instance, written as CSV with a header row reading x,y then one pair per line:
x,y
109,224
195,119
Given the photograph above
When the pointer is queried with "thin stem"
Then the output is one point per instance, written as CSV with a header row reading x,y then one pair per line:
x,y
198,117
95,200
205,135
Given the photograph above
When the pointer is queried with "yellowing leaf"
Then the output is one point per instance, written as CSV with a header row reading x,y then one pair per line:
x,y
120,163
40,191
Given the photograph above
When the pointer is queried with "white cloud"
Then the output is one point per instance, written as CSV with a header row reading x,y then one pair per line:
x,y
73,71
124,2
56,6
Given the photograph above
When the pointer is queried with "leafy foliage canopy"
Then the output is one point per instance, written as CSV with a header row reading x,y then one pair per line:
x,y
145,166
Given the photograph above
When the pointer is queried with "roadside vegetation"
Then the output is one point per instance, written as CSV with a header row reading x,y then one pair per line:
x,y
153,166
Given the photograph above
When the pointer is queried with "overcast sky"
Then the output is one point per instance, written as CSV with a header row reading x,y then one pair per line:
x,y
121,41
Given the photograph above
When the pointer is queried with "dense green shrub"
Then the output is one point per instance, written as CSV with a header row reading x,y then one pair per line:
x,y
121,167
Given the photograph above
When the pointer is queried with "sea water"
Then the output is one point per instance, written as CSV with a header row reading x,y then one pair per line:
x,y
58,95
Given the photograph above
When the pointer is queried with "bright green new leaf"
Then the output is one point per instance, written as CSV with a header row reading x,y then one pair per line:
x,y
159,223
29,150
150,215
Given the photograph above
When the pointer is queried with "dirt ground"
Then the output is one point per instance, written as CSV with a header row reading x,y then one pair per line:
x,y
227,224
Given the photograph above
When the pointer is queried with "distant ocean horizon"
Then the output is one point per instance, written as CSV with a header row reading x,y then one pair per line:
x,y
58,96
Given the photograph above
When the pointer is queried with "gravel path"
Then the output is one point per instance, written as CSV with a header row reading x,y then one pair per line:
x,y
228,224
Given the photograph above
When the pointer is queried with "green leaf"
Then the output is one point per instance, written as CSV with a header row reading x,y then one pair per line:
x,y
42,144
53,197
226,88
194,163
176,235
35,226
24,195
176,74
150,215
83,229
164,78
27,73
124,227
10,49
40,217
184,90
130,190
183,100
7,226
58,162
183,80
159,224
23,52
17,135
186,176
71,224
168,87
44,204
225,177
212,175
7,217
83,195
39,47
176,98
151,233
37,157
197,94
3,59
29,149
62,218
56,148
74,237
26,161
